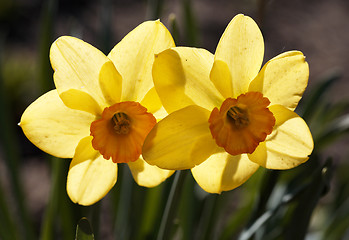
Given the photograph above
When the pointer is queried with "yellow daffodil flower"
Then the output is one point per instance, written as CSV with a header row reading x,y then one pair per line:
x,y
102,108
228,117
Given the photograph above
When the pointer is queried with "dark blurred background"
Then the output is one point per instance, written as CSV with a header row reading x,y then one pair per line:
x,y
318,28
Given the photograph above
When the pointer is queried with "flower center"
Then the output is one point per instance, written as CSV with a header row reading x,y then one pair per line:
x,y
122,123
242,123
120,132
238,116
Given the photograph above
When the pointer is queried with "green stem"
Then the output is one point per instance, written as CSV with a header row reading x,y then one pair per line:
x,y
173,27
52,208
171,205
69,212
208,217
191,30
122,230
151,211
7,230
187,210
95,218
46,33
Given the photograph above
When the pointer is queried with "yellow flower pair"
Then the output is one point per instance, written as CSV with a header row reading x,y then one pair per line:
x,y
226,117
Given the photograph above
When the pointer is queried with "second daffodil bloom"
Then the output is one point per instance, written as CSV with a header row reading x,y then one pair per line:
x,y
102,108
228,117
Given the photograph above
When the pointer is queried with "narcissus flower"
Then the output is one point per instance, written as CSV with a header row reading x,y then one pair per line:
x,y
102,108
228,117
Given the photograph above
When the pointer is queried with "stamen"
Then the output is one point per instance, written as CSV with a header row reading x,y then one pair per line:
x,y
238,116
121,122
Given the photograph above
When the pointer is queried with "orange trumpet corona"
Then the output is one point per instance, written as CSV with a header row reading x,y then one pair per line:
x,y
120,132
242,123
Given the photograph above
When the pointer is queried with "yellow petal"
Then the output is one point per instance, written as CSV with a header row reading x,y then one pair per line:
x,y
181,140
160,114
242,48
181,78
151,101
223,172
289,145
90,176
79,100
221,77
53,127
77,65
110,82
283,79
147,175
133,56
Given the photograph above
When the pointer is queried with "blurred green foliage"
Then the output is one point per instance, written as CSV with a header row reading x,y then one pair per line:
x,y
84,230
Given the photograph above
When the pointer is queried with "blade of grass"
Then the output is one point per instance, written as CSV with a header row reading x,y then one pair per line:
x,y
171,206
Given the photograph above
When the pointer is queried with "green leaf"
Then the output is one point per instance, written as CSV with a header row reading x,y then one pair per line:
x,y
310,104
337,222
84,230
332,111
333,131
301,216
305,197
